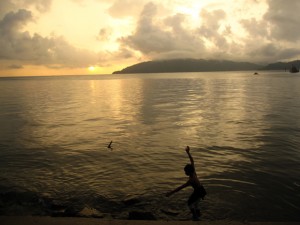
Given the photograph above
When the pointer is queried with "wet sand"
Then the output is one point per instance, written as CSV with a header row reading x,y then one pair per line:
x,y
35,220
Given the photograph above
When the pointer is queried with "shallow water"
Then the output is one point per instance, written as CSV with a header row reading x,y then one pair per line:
x,y
244,133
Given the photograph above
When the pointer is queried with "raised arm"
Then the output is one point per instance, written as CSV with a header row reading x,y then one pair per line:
x,y
187,149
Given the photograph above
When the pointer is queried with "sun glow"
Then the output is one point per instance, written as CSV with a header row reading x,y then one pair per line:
x,y
193,12
92,69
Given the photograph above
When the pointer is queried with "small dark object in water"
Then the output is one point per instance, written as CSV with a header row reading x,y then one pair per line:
x,y
109,146
256,73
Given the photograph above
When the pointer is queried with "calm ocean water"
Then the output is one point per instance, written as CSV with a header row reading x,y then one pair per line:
x,y
243,130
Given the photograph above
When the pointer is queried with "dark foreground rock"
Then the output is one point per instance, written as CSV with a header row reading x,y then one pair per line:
x,y
136,215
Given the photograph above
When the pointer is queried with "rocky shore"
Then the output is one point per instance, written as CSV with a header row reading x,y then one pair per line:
x,y
31,220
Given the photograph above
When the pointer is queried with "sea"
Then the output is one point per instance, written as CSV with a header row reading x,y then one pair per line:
x,y
243,131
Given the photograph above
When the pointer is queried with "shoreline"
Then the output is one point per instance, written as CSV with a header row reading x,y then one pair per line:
x,y
46,220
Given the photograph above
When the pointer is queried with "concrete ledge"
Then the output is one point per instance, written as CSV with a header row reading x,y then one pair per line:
x,y
36,220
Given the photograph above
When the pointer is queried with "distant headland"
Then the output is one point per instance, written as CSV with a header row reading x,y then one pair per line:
x,y
201,65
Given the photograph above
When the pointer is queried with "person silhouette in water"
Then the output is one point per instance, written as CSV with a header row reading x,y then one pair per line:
x,y
199,191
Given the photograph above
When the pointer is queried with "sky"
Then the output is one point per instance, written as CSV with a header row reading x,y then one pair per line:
x,y
67,37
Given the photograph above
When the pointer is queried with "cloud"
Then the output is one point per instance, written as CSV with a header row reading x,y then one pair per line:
x,y
12,42
255,27
15,66
40,5
210,28
14,21
284,20
263,34
35,49
270,52
61,52
278,24
104,34
126,8
7,6
148,37
259,31
162,37
173,37
276,36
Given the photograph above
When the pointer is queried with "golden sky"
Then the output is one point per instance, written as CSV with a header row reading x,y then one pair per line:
x,y
60,37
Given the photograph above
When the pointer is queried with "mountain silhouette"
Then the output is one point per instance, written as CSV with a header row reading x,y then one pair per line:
x,y
201,65
281,65
187,65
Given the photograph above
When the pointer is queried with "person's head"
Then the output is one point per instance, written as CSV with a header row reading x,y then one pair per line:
x,y
189,169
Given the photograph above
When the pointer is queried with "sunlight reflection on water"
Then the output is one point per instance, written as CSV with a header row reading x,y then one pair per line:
x,y
242,130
